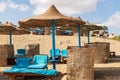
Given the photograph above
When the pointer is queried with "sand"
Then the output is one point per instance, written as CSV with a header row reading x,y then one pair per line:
x,y
62,42
108,71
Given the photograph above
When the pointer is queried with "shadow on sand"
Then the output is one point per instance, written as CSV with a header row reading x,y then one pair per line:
x,y
114,59
111,73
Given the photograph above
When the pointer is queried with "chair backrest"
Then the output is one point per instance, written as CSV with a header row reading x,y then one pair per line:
x,y
22,62
57,52
21,51
40,59
64,53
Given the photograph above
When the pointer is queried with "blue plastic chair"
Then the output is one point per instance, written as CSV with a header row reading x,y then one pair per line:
x,y
22,62
20,53
57,54
39,62
64,53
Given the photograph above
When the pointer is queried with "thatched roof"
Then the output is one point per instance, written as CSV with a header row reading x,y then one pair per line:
x,y
45,19
9,27
91,26
1,26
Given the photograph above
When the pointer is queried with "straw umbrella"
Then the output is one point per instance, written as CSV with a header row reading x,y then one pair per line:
x,y
52,17
7,28
1,26
89,27
10,29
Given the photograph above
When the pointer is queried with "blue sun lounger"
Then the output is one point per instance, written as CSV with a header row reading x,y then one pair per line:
x,y
22,69
22,63
13,73
39,62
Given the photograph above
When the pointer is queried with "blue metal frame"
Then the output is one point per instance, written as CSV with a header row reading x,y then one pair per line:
x,y
53,43
88,36
10,37
79,37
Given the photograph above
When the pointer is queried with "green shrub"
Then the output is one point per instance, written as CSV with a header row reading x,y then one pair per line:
x,y
116,38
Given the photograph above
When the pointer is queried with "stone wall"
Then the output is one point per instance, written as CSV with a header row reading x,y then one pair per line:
x,y
32,49
102,50
6,51
80,63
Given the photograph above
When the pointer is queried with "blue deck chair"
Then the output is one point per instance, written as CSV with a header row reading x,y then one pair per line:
x,y
22,68
22,62
39,62
64,55
20,53
57,54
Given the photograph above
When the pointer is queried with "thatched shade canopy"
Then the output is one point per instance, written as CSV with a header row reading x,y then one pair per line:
x,y
79,22
74,27
18,31
6,27
21,31
1,26
9,27
44,19
90,26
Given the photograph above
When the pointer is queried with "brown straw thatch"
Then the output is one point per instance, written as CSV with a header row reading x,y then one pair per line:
x,y
1,26
9,27
20,31
45,19
6,27
90,26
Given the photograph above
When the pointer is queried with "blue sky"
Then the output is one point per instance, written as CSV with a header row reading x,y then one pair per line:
x,y
96,11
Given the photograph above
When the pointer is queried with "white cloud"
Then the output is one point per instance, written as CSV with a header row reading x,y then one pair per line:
x,y
114,20
23,7
2,6
65,6
113,23
12,5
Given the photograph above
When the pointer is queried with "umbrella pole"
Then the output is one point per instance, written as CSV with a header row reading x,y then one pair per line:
x,y
79,37
10,37
53,43
88,36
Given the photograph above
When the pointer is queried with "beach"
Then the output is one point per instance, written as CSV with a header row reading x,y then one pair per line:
x,y
112,67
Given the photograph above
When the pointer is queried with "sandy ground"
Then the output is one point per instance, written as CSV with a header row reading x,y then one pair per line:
x,y
62,42
108,71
